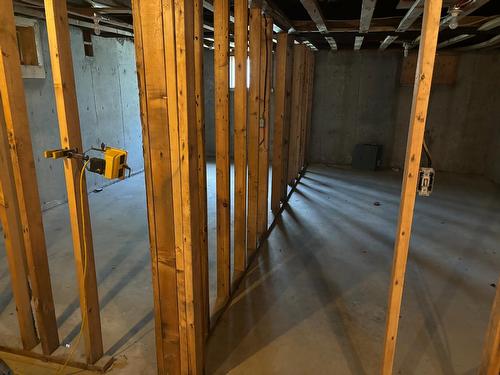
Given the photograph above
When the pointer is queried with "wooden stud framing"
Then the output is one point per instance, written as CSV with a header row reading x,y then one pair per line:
x,y
282,96
10,218
222,151
202,164
253,126
308,101
157,167
264,129
490,364
240,136
21,153
423,80
168,102
187,169
69,129
299,56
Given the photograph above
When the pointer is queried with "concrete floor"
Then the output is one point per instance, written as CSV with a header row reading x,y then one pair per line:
x,y
314,301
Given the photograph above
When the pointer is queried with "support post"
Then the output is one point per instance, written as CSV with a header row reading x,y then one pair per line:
x,y
10,218
69,129
168,97
240,136
157,171
422,88
299,57
222,157
282,96
253,126
202,163
265,115
490,363
23,164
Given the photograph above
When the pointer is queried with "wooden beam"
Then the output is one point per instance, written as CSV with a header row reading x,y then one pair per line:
x,y
23,164
464,12
265,89
282,97
313,9
253,126
410,17
185,167
304,110
299,52
423,81
367,8
222,151
69,129
30,12
166,65
279,18
240,136
490,363
10,218
157,167
202,164
308,111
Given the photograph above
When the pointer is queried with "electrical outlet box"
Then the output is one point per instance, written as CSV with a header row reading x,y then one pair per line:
x,y
425,181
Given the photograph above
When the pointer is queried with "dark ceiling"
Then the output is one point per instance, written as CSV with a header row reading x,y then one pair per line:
x,y
341,17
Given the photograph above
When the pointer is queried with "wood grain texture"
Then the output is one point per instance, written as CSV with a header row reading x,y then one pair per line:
x,y
422,88
70,135
222,150
265,126
202,163
240,136
284,61
10,218
253,127
23,164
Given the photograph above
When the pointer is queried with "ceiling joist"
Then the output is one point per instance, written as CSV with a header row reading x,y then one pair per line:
x,y
313,9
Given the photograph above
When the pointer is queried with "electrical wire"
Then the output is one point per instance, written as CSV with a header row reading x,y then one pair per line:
x,y
427,154
84,311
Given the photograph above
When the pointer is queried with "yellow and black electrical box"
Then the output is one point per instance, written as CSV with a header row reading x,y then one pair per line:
x,y
116,163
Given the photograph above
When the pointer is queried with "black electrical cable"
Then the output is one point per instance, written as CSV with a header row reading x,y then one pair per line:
x,y
427,154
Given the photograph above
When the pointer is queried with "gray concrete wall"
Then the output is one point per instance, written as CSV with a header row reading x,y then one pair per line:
x,y
358,99
108,104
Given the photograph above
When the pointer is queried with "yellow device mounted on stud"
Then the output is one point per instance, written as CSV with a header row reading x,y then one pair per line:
x,y
112,166
116,163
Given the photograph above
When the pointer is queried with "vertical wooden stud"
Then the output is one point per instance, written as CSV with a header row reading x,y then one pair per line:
x,y
266,69
21,153
281,116
10,218
202,164
309,109
69,129
157,166
168,96
299,53
222,157
240,136
187,169
253,126
423,80
490,363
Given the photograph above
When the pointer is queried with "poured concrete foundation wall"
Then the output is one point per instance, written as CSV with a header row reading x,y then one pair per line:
x,y
358,98
108,103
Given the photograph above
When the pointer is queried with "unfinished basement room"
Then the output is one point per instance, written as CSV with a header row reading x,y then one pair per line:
x,y
254,187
